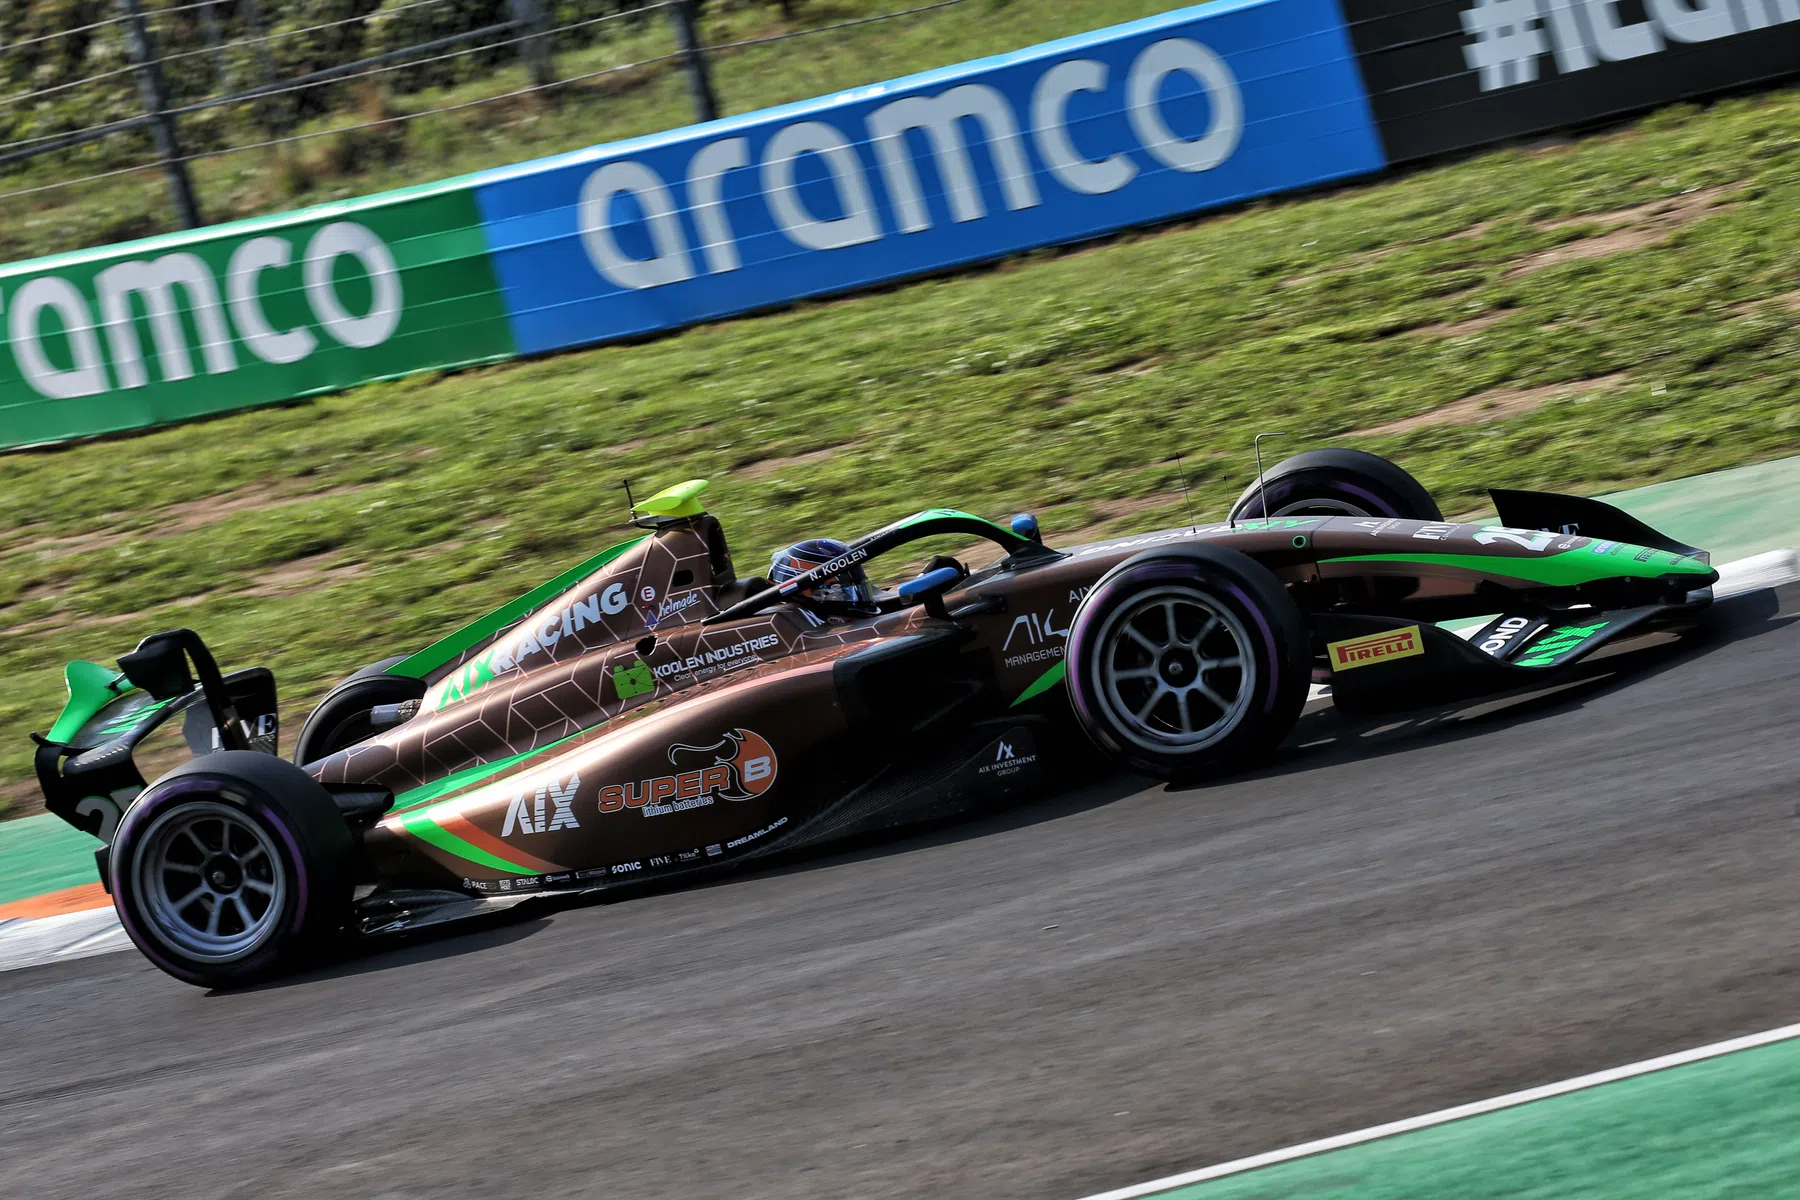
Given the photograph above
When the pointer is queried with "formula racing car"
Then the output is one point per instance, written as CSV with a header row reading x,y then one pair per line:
x,y
650,715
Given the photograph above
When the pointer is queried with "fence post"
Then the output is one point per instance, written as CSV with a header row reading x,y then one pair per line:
x,y
209,24
693,56
272,111
154,92
535,50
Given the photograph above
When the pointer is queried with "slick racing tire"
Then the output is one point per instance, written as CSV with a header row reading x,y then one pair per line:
x,y
1185,662
342,717
1336,483
231,868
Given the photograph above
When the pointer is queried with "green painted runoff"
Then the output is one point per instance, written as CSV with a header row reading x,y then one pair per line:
x,y
1724,1127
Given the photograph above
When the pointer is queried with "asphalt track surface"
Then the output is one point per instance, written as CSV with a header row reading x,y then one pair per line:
x,y
1108,986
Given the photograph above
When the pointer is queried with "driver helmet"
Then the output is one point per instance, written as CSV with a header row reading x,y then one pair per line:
x,y
850,585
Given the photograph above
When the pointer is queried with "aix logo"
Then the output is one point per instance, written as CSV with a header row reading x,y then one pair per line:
x,y
526,812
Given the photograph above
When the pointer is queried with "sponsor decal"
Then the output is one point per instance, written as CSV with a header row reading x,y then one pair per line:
x,y
661,860
1603,547
1645,555
1010,757
506,885
725,658
676,604
527,815
535,635
1376,528
1037,637
714,850
626,868
777,823
648,595
559,878
1376,648
591,873
1077,595
634,679
688,856
1434,532
1497,639
742,766
1561,642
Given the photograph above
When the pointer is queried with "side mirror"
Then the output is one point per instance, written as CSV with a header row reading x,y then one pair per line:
x,y
1026,526
929,589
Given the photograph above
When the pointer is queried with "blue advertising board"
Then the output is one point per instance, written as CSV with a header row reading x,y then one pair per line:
x,y
1178,113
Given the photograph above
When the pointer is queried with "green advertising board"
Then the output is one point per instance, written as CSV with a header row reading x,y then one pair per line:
x,y
248,313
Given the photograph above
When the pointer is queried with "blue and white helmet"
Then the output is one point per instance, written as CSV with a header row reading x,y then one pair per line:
x,y
849,586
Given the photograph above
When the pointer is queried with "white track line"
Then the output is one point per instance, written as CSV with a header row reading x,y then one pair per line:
x,y
1773,569
1476,1109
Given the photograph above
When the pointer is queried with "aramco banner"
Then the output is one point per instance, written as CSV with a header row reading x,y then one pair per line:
x,y
1176,114
247,313
1186,111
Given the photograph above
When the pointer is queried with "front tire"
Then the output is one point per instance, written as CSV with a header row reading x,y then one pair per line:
x,y
1187,662
1336,483
231,868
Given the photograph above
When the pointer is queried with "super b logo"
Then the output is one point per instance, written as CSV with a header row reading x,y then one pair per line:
x,y
740,766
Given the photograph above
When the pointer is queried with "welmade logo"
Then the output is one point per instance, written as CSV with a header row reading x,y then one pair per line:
x,y
1509,39
849,217
69,345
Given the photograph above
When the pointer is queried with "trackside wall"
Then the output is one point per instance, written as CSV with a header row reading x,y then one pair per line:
x,y
1191,110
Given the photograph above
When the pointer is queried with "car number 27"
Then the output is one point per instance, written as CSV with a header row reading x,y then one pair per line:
x,y
1537,541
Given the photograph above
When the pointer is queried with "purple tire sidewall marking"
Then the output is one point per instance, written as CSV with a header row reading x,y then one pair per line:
x,y
145,811
1278,490
1168,570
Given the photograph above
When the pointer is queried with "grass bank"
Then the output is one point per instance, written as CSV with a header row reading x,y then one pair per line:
x,y
1585,316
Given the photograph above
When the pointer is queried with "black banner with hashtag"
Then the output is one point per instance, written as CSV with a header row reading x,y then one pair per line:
x,y
1446,75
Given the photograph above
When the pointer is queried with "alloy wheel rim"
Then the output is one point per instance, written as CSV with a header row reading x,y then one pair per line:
x,y
1175,670
211,881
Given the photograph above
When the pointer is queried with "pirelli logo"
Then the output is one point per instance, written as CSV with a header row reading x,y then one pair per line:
x,y
1376,648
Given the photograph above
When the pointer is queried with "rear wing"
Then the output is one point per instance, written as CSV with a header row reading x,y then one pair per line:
x,y
86,764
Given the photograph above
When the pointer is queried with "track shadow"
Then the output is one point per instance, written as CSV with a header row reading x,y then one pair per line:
x,y
405,950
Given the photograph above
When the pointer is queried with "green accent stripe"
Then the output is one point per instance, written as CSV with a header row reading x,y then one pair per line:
x,y
473,634
1043,683
420,796
427,830
1553,570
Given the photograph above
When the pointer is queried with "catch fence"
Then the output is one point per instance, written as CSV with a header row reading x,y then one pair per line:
x,y
94,89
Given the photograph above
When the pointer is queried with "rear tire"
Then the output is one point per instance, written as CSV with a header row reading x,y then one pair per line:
x,y
232,868
1188,661
1336,483
342,718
